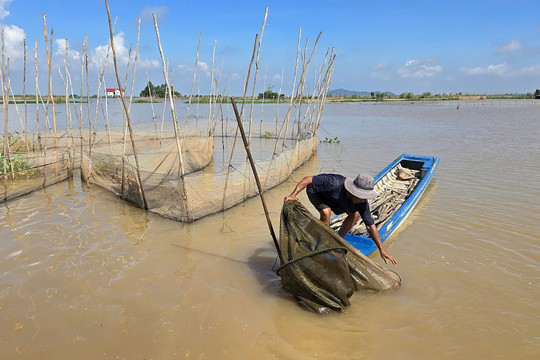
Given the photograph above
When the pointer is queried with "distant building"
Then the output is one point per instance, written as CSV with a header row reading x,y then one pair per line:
x,y
111,92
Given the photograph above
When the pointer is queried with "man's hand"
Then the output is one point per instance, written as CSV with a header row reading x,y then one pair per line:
x,y
289,197
301,186
387,257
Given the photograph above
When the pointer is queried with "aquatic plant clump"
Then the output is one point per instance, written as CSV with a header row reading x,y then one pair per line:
x,y
13,164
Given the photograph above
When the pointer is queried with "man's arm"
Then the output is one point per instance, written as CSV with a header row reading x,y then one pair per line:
x,y
301,186
374,233
347,224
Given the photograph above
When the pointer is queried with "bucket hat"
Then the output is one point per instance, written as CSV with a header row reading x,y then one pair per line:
x,y
361,187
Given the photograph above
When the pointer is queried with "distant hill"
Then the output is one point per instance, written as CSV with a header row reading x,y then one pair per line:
x,y
344,92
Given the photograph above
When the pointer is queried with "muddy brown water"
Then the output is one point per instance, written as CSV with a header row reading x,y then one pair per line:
x,y
84,275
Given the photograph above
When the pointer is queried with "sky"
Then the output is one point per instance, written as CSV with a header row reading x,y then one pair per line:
x,y
467,46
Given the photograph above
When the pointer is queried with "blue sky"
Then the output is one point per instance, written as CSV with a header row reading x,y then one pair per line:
x,y
489,46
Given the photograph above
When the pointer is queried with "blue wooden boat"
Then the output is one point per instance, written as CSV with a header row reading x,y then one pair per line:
x,y
399,185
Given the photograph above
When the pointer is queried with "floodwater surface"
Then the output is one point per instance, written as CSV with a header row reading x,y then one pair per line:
x,y
85,275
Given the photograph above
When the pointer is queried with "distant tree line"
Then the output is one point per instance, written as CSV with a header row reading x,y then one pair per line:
x,y
410,96
269,94
157,91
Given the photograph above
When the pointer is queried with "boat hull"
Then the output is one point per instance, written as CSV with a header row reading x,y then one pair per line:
x,y
427,165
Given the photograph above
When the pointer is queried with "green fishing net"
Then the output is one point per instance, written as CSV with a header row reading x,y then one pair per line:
x,y
320,268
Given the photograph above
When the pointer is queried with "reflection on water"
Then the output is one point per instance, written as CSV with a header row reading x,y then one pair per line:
x,y
85,273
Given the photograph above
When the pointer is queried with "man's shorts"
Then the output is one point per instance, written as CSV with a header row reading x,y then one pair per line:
x,y
317,201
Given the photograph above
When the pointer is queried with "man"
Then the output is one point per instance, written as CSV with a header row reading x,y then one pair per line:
x,y
334,192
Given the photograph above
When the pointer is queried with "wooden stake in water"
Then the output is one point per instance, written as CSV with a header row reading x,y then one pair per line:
x,y
139,180
259,186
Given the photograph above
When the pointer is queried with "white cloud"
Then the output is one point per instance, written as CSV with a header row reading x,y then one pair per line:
x,y
531,70
122,54
499,69
510,47
13,41
276,77
419,69
202,66
3,5
61,50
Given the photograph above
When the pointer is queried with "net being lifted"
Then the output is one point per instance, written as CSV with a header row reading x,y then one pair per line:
x,y
320,268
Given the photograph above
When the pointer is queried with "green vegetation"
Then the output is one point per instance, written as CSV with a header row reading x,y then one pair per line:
x,y
428,96
18,163
331,141
269,135
157,91
269,94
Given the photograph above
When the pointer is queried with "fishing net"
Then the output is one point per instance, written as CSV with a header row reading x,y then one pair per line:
x,y
31,164
321,269
203,189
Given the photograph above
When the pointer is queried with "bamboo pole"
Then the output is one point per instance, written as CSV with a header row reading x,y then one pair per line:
x,y
285,123
68,113
76,113
101,80
24,96
227,108
175,122
241,114
37,97
219,97
15,103
85,44
210,115
5,100
49,50
256,73
262,105
163,112
124,121
259,186
305,66
193,84
148,85
139,181
279,97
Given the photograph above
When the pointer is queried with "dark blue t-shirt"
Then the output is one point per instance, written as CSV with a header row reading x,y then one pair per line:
x,y
331,188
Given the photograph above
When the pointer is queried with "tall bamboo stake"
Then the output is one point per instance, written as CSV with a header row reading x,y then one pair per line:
x,y
5,99
279,97
259,186
262,104
211,87
151,104
37,96
241,114
291,101
216,110
193,82
101,80
49,49
135,65
88,109
24,96
256,73
175,122
76,113
139,181
68,113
